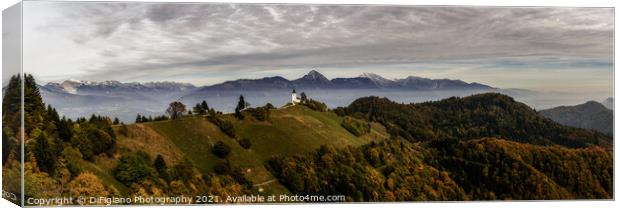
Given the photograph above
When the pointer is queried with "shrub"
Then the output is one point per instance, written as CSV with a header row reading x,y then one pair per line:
x,y
87,184
222,167
224,125
123,130
134,168
237,174
161,167
260,113
245,143
220,149
183,171
316,105
92,141
72,156
161,118
356,127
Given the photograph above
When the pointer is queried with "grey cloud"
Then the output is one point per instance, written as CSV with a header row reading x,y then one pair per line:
x,y
150,38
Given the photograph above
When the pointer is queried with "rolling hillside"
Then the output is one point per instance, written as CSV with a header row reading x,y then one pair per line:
x,y
290,131
480,147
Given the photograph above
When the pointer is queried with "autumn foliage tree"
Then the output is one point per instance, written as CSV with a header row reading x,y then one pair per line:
x,y
87,184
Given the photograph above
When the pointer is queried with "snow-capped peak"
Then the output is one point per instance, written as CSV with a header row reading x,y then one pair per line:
x,y
73,86
378,79
314,75
69,86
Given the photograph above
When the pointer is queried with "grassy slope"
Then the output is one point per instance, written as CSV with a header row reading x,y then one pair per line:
x,y
290,131
298,129
138,137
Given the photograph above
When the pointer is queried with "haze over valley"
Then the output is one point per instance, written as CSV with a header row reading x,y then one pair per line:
x,y
75,98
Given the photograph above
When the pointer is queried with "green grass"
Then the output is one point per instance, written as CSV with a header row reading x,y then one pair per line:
x,y
292,130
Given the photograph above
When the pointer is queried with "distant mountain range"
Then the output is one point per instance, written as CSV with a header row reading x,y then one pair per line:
x,y
316,80
109,87
312,80
590,115
75,98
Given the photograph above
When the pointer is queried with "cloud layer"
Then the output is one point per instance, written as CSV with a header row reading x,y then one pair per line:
x,y
209,43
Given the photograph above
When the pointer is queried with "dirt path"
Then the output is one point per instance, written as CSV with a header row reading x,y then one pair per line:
x,y
266,182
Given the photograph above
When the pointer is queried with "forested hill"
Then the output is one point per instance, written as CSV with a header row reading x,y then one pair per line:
x,y
472,117
481,147
590,115
449,169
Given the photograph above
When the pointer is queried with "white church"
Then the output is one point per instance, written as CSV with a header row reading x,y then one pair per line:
x,y
294,98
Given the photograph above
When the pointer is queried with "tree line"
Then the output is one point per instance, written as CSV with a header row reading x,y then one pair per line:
x,y
59,153
481,147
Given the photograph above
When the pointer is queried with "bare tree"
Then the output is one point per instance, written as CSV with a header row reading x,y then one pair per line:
x,y
175,110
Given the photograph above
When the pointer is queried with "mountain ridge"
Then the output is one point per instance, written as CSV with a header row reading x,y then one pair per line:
x,y
316,80
312,80
589,115
496,115
73,86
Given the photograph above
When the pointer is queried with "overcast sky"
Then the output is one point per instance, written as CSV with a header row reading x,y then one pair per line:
x,y
559,49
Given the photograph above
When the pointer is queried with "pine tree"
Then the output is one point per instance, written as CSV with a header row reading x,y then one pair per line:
x,y
204,106
52,114
197,108
34,108
238,113
240,106
65,132
44,153
11,104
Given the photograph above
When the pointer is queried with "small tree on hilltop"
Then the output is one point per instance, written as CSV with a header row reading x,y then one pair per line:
x,y
204,106
304,98
240,106
176,110
199,110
